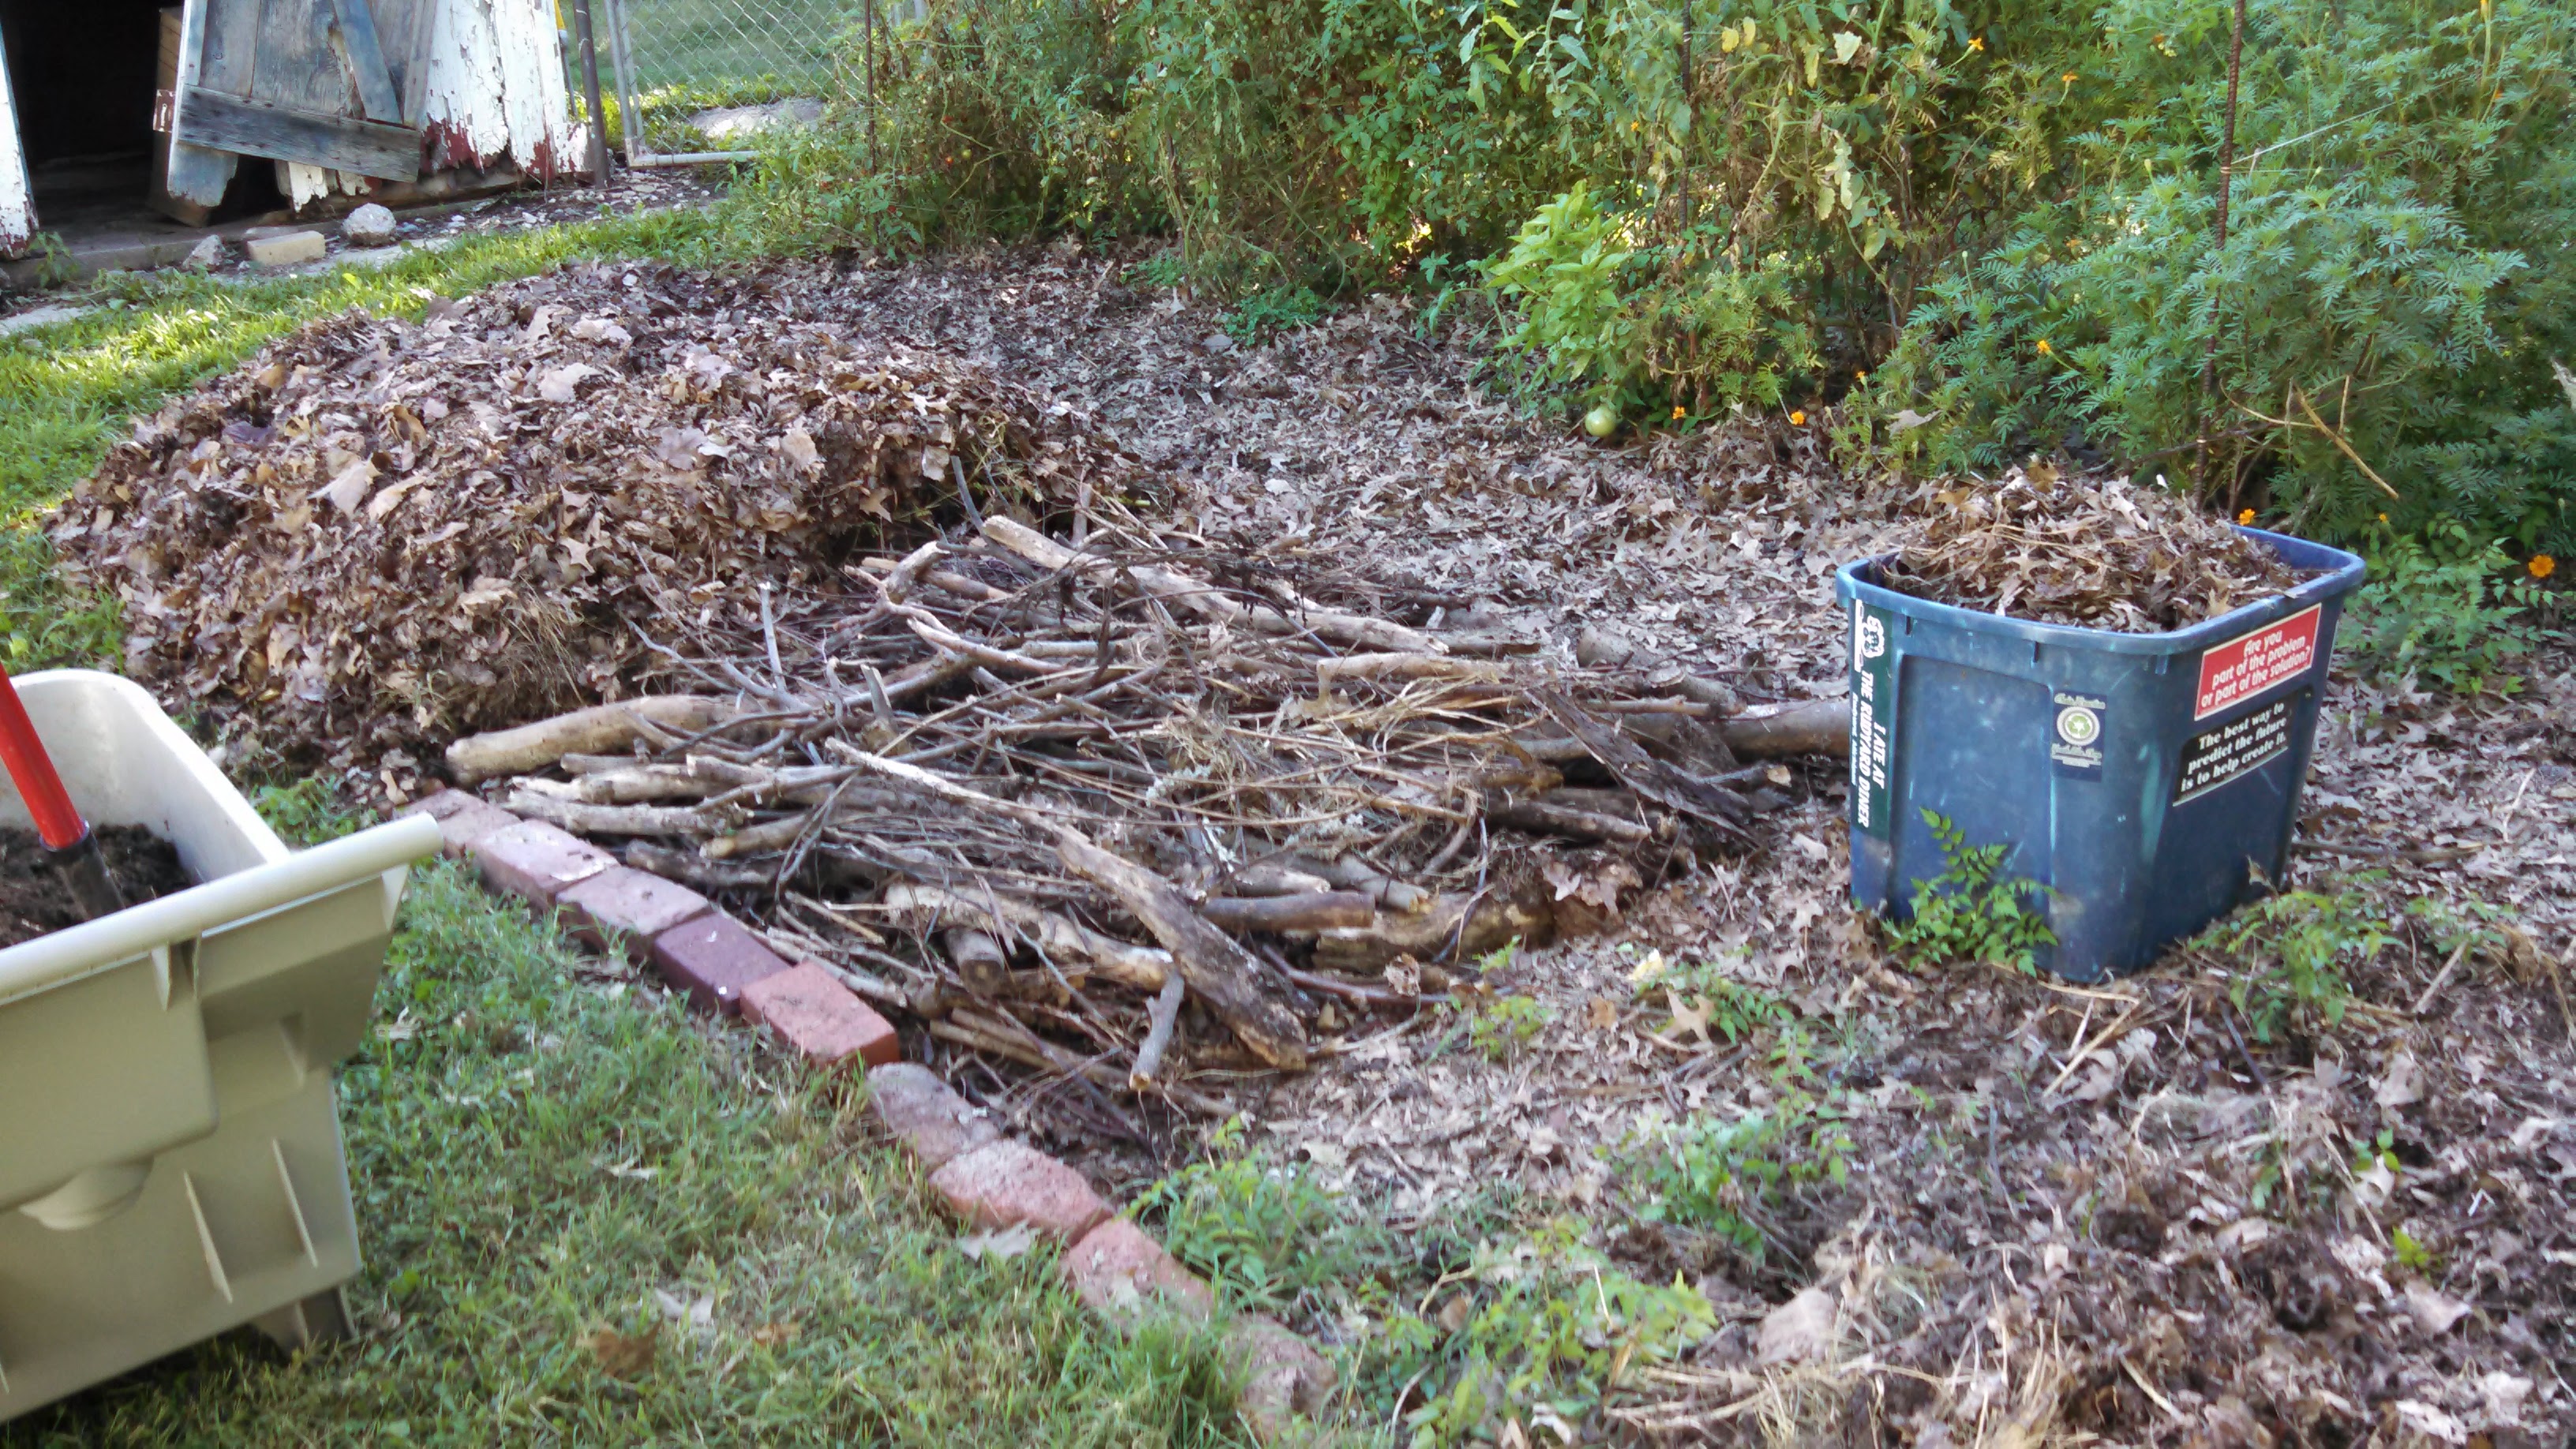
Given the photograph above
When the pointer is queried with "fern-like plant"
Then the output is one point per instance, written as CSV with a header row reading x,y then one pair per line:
x,y
1972,911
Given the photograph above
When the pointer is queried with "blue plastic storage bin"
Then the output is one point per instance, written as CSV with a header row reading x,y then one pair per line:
x,y
2144,778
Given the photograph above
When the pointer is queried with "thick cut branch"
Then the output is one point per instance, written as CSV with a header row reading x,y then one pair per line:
x,y
1312,911
1222,974
587,819
1469,925
1541,818
1141,967
1815,727
597,730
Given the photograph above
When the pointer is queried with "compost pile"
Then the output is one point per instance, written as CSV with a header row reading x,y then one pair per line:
x,y
2093,552
1141,815
34,901
380,534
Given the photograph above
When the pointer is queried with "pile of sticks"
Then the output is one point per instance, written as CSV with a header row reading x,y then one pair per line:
x,y
1142,818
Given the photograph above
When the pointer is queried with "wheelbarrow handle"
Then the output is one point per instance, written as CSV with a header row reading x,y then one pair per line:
x,y
66,835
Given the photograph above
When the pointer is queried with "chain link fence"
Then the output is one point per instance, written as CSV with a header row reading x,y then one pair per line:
x,y
675,59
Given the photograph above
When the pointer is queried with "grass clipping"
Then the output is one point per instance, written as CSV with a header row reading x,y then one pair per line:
x,y
2096,553
381,534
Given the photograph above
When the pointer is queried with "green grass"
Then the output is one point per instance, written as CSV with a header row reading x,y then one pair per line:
x,y
538,1153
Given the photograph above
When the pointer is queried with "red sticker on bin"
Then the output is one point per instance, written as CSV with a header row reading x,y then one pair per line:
x,y
2249,664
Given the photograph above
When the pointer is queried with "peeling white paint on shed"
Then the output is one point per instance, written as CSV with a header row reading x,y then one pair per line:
x,y
17,205
496,89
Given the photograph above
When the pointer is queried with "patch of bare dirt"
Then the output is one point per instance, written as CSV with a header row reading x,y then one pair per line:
x,y
34,900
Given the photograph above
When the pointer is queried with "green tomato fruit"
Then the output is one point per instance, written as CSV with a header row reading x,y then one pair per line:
x,y
1601,422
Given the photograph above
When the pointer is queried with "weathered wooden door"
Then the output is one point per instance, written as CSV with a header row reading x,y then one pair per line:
x,y
334,83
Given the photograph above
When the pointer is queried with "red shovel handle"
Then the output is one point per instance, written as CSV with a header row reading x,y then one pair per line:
x,y
33,771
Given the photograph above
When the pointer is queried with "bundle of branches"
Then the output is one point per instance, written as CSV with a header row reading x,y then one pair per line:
x,y
380,534
2094,552
1040,796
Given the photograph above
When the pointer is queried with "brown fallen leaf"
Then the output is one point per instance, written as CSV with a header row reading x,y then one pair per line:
x,y
624,1355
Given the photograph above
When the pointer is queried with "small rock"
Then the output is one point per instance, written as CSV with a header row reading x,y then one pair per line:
x,y
1217,342
206,255
1597,648
369,226
741,123
285,249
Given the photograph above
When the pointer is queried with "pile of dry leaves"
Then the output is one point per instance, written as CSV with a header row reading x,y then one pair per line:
x,y
2093,552
381,534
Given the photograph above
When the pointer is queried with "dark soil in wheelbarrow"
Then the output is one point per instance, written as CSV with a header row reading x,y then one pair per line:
x,y
34,901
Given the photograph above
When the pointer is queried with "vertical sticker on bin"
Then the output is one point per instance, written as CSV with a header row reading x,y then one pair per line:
x,y
2075,734
2236,749
2248,664
1873,716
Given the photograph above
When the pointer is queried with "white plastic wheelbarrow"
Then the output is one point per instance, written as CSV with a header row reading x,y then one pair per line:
x,y
170,1161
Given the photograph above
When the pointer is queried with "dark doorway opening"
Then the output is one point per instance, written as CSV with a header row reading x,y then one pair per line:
x,y
85,75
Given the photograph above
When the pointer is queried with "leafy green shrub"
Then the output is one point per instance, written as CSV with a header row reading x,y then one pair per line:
x,y
991,120
1163,271
1633,325
2442,609
2291,951
2001,213
1547,1321
1710,1173
1263,315
1971,911
1262,1235
2379,321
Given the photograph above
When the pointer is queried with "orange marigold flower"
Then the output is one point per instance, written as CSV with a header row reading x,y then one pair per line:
x,y
1797,419
1679,411
2542,566
2383,518
2068,78
1860,377
2246,518
1977,42
2044,348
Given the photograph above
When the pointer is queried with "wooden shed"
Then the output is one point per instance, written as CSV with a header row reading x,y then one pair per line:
x,y
216,109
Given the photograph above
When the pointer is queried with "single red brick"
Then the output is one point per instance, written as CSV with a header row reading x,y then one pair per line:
x,y
932,1120
1123,1276
1009,1183
1284,1376
821,1018
713,958
462,819
536,862
630,905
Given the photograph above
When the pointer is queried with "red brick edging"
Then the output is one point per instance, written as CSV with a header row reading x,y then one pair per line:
x,y
983,1177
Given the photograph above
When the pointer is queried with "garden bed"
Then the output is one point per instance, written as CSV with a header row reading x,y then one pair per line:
x,y
2305,1180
